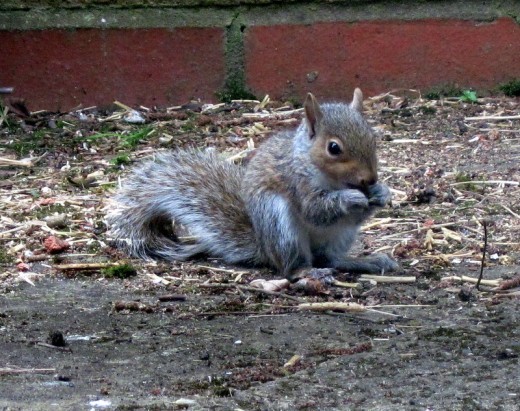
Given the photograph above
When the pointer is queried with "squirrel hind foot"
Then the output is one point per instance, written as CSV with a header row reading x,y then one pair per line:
x,y
377,263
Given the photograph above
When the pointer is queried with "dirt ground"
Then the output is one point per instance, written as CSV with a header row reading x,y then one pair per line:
x,y
195,335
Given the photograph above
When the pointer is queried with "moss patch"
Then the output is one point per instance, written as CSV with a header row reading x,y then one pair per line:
x,y
119,271
511,88
235,87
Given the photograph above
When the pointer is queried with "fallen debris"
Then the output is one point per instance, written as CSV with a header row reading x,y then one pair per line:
x,y
472,280
133,306
55,245
387,278
14,371
333,306
84,266
270,285
511,283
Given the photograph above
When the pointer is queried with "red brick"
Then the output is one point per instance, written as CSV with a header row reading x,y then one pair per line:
x,y
60,69
380,55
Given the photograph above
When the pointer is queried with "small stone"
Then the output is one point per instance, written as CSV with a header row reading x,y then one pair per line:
x,y
57,339
55,245
46,191
185,402
312,76
467,294
56,221
134,117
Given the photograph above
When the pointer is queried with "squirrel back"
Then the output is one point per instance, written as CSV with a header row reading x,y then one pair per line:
x,y
183,192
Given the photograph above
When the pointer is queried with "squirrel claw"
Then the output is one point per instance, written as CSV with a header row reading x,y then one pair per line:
x,y
379,195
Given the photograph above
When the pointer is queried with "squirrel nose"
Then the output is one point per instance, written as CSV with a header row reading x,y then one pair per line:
x,y
365,183
368,181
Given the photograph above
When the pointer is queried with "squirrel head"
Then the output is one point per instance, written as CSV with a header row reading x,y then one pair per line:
x,y
343,145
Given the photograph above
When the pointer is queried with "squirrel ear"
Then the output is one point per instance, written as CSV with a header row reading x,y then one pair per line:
x,y
357,100
312,113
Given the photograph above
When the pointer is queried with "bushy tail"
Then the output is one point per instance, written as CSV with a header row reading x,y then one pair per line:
x,y
184,192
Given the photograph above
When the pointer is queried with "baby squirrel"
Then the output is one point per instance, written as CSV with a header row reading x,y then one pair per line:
x,y
296,206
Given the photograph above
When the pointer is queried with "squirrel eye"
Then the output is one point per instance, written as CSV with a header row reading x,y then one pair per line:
x,y
334,149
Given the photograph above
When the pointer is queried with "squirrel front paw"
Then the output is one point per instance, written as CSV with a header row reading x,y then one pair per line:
x,y
379,195
383,262
353,198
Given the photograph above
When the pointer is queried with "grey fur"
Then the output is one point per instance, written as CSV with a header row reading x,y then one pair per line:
x,y
194,190
280,210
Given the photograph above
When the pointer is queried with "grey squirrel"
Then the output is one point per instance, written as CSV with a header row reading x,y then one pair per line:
x,y
296,206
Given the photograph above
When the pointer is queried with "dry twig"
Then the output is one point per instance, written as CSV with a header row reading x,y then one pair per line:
x,y
499,182
8,371
223,313
466,279
505,295
511,283
510,211
54,347
85,266
224,270
484,249
25,162
498,118
338,306
344,284
275,115
388,278
418,230
251,289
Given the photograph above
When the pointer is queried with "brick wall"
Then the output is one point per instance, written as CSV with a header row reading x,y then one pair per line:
x,y
164,53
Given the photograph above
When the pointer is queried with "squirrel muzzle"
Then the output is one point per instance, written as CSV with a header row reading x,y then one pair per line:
x,y
362,184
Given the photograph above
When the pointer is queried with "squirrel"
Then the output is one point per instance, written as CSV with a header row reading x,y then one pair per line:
x,y
296,206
